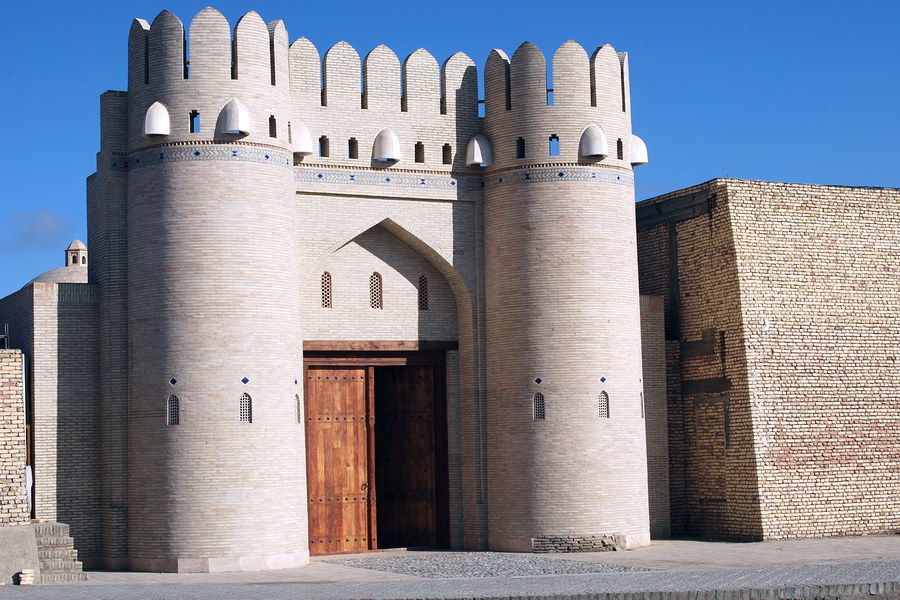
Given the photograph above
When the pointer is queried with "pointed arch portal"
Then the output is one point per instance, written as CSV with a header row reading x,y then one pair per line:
x,y
376,411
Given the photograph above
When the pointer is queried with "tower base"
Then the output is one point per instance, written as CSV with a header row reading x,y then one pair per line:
x,y
571,543
265,562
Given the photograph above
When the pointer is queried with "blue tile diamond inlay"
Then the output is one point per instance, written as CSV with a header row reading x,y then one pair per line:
x,y
245,380
173,381
207,152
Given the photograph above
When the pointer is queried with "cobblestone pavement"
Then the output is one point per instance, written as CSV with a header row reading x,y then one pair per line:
x,y
847,568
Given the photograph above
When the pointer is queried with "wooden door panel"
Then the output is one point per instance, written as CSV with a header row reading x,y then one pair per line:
x,y
337,434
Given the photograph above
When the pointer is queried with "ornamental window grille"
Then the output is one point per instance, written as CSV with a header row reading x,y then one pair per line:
x,y
246,408
538,406
173,416
603,405
326,290
375,291
423,292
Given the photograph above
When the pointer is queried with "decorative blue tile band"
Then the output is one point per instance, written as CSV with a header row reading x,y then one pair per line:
x,y
527,176
386,179
224,152
468,183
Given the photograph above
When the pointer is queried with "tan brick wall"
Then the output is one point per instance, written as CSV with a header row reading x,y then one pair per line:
x,y
819,268
13,495
783,423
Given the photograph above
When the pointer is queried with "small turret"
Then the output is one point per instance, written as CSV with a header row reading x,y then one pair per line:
x,y
76,254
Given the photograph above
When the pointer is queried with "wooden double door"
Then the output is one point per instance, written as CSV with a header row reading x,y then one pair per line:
x,y
376,453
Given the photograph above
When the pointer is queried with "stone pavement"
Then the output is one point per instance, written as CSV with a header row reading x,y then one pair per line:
x,y
848,568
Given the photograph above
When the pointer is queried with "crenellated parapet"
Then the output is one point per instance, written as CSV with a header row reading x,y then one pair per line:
x,y
184,90
328,110
582,116
345,102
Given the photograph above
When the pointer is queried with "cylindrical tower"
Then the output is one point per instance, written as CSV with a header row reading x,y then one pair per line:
x,y
567,466
216,467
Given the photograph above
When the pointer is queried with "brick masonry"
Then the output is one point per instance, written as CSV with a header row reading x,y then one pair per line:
x,y
782,319
707,406
13,494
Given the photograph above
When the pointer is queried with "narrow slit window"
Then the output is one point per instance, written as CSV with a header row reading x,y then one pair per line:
x,y
603,405
620,149
443,106
299,406
550,97
554,145
420,152
323,146
290,137
352,148
375,291
146,60
538,406
447,154
481,108
423,292
195,121
520,147
273,129
173,409
246,408
326,290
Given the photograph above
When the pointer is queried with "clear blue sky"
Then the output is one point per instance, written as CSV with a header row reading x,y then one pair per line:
x,y
787,90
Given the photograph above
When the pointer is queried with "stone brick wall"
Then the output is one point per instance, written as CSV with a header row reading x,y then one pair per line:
x,y
819,269
781,314
13,495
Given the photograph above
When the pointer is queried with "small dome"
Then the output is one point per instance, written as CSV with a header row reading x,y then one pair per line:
x,y
638,151
70,274
156,121
77,245
593,142
234,118
479,152
302,141
387,146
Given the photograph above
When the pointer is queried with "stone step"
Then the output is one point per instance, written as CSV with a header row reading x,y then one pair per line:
x,y
50,529
54,565
63,577
68,553
55,542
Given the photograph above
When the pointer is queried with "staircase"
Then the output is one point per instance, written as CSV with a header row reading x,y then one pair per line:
x,y
57,555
